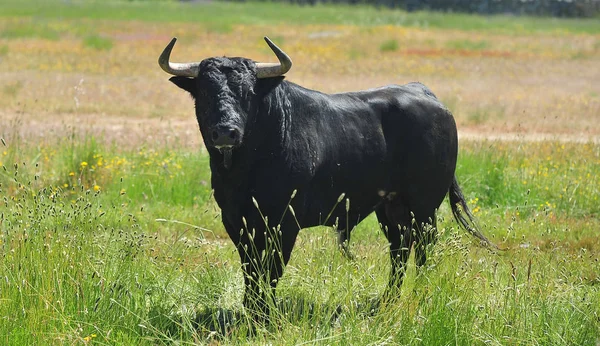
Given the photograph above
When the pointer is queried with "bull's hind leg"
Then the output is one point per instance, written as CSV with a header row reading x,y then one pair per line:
x,y
395,220
345,228
344,243
426,232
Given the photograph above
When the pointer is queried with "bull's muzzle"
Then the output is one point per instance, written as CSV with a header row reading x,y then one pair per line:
x,y
225,136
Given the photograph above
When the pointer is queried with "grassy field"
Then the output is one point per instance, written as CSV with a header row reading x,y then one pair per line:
x,y
109,233
125,247
225,15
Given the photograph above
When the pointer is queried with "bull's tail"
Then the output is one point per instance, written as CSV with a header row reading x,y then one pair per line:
x,y
460,208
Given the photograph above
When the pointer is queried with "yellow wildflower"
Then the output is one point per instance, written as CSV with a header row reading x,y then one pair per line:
x,y
89,337
84,164
71,174
96,188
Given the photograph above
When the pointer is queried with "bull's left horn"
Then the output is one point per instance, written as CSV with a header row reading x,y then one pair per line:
x,y
189,69
267,69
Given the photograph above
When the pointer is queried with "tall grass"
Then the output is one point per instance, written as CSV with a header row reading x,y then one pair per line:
x,y
84,258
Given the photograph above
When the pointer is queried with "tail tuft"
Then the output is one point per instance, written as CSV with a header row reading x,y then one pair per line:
x,y
459,206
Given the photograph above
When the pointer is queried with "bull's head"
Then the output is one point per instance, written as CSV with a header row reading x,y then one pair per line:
x,y
224,90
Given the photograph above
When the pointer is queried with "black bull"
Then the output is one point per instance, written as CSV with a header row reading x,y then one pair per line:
x,y
285,158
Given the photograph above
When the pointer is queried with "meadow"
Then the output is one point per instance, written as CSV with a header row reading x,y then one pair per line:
x,y
109,233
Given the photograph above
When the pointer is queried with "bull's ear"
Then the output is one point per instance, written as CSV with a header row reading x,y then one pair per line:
x,y
265,85
185,83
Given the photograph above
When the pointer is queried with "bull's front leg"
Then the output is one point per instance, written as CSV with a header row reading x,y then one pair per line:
x,y
249,249
263,255
258,295
264,258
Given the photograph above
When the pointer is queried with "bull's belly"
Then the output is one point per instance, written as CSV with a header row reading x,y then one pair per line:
x,y
340,209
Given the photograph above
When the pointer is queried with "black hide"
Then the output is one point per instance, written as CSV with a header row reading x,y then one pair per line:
x,y
390,150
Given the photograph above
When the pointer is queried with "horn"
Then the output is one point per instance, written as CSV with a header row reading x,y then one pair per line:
x,y
267,69
189,69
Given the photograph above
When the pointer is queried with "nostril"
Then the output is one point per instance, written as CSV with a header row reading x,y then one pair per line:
x,y
225,135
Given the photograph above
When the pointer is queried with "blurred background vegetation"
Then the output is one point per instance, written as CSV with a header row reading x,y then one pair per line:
x,y
557,8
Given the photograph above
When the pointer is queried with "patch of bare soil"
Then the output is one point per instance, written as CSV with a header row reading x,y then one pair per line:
x,y
127,132
531,87
132,132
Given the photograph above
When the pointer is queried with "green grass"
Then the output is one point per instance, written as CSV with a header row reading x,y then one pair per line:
x,y
468,44
97,42
125,246
222,15
389,46
481,115
29,30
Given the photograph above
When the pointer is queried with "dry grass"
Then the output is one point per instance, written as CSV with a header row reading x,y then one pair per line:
x,y
533,84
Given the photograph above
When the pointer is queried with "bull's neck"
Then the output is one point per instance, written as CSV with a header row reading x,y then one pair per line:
x,y
275,116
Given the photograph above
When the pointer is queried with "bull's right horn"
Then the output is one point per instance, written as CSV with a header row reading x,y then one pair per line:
x,y
266,69
189,69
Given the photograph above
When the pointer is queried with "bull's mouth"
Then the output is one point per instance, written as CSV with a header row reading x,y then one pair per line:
x,y
227,151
